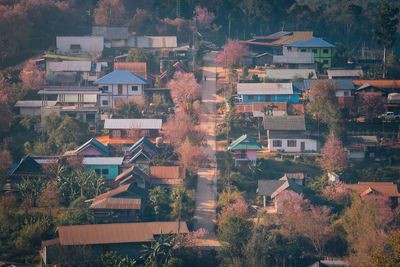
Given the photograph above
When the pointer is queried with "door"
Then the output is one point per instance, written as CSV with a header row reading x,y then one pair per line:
x,y
302,146
119,89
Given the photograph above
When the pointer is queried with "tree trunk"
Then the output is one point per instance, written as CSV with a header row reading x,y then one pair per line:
x,y
384,63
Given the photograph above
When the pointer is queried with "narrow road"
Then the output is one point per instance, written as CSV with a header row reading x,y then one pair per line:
x,y
206,193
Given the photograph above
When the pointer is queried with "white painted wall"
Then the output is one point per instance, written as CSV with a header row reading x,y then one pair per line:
x,y
340,93
93,45
310,145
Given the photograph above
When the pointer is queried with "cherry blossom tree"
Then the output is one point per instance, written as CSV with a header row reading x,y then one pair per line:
x,y
190,239
238,208
203,17
31,76
179,127
371,104
333,157
184,88
109,13
338,193
191,156
233,53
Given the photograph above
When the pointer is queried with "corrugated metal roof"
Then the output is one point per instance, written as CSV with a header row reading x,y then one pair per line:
x,y
113,33
279,123
294,58
169,172
117,204
33,103
343,84
244,142
392,84
133,124
289,74
268,187
102,160
314,42
295,36
70,66
264,89
121,77
138,68
152,41
345,73
116,233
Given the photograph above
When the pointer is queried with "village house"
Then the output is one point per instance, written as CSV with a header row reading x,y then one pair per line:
x,y
295,60
107,167
114,37
133,128
288,134
345,74
244,149
119,85
141,153
270,189
134,176
32,107
177,67
388,189
323,50
26,168
361,147
86,71
92,148
122,204
286,75
92,240
267,92
75,101
80,45
167,175
297,177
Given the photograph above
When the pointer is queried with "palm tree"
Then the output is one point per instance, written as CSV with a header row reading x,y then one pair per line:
x,y
159,251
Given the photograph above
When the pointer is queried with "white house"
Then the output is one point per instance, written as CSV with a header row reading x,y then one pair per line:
x,y
119,85
152,42
80,45
288,134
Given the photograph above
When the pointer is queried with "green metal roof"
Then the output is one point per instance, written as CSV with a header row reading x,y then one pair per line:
x,y
244,143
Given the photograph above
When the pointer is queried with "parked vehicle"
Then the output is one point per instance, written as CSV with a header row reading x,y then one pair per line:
x,y
389,116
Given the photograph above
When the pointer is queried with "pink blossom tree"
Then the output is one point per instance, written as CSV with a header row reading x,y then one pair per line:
x,y
338,193
31,76
191,156
191,239
238,208
184,88
333,157
371,104
233,53
179,127
203,17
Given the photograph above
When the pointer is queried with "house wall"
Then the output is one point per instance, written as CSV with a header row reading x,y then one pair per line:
x,y
30,111
273,98
111,94
340,93
118,43
322,55
90,151
112,170
311,145
93,45
245,154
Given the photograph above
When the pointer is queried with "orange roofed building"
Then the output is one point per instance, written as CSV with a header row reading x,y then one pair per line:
x,y
388,189
167,175
138,68
387,84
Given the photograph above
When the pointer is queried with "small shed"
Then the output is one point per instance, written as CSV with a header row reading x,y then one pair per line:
x,y
245,149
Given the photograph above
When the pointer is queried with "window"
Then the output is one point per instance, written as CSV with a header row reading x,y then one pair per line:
x,y
302,50
346,94
90,117
326,51
104,102
289,49
104,88
97,171
314,51
291,143
105,171
119,89
75,47
326,61
250,97
116,133
276,143
134,88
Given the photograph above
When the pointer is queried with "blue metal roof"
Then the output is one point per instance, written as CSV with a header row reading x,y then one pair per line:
x,y
314,42
121,77
344,84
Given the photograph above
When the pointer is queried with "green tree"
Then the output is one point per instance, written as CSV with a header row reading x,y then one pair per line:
x,y
159,200
30,188
159,251
113,259
142,55
385,29
127,110
389,255
183,204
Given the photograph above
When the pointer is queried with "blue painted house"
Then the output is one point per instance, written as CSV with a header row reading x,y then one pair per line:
x,y
267,92
108,167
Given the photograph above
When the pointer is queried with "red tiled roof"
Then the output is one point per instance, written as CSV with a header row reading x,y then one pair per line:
x,y
280,106
243,108
168,172
393,84
385,188
296,109
116,233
